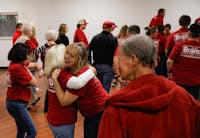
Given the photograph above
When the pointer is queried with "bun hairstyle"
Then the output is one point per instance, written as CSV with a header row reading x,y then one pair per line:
x,y
18,53
150,30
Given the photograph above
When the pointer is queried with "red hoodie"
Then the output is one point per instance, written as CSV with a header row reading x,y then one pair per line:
x,y
151,107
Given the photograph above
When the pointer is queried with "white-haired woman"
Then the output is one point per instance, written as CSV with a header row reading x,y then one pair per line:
x,y
90,99
50,36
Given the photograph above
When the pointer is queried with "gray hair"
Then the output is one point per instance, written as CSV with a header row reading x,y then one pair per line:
x,y
141,46
50,35
26,28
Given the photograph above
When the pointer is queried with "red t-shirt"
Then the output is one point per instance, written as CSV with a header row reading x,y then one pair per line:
x,y
34,41
57,114
92,97
178,36
186,67
17,80
156,21
162,43
31,45
79,36
16,35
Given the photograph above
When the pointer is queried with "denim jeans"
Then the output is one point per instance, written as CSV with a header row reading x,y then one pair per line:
x,y
18,110
105,75
63,131
91,125
33,89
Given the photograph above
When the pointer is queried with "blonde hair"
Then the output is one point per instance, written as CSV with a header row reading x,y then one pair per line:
x,y
82,55
123,32
62,29
26,28
33,31
50,35
54,59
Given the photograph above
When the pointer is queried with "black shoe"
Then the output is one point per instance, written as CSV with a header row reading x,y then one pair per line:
x,y
37,100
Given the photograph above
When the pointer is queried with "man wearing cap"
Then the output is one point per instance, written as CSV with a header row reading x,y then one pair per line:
x,y
79,35
184,62
103,47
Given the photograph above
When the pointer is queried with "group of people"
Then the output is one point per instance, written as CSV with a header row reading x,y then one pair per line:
x,y
80,75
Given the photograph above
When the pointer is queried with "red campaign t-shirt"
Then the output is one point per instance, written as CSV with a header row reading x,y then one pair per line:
x,y
17,80
92,97
80,37
57,114
186,67
162,43
31,45
16,35
178,36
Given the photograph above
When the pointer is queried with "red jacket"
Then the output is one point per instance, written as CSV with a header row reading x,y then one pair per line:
x,y
151,107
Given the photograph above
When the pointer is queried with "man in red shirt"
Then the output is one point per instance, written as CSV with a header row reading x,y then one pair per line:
x,y
158,19
79,35
17,33
184,62
179,35
149,106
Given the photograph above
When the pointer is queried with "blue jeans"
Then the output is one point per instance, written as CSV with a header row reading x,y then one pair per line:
x,y
33,89
91,125
63,131
105,74
18,110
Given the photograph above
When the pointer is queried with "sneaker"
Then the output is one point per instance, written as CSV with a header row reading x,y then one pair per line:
x,y
34,102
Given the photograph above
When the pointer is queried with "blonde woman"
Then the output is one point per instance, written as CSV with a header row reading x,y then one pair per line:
x,y
62,38
90,99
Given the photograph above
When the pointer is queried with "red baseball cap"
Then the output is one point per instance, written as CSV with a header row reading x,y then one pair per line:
x,y
83,21
109,24
114,25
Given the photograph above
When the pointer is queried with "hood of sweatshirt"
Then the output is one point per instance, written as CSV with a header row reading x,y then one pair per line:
x,y
148,93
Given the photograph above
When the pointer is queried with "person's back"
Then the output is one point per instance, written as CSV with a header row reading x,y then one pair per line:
x,y
103,47
17,33
159,109
179,35
158,20
62,38
149,106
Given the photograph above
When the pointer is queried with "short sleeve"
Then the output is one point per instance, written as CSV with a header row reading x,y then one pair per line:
x,y
21,76
79,92
175,52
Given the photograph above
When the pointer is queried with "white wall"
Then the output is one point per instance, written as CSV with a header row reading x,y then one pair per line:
x,y
46,14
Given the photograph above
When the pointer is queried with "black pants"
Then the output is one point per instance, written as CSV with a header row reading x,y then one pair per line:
x,y
193,90
91,125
